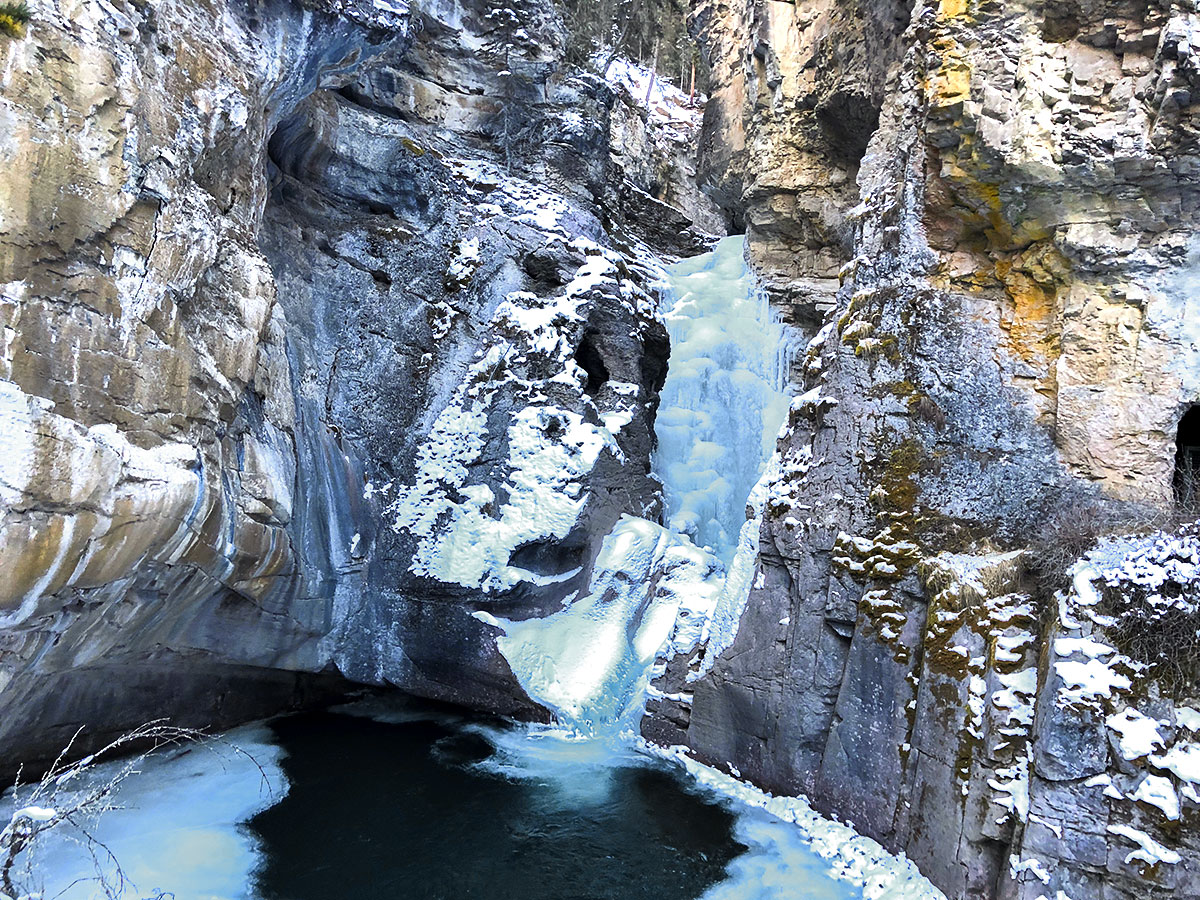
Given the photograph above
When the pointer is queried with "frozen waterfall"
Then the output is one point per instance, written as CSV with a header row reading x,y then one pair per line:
x,y
578,790
661,590
724,399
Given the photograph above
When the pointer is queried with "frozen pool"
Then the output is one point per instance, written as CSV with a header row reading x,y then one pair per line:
x,y
408,801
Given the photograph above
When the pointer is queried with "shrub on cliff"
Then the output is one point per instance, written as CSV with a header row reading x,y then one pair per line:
x,y
1076,521
1068,530
13,19
1152,597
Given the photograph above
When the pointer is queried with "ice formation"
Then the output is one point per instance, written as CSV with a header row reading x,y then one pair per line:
x,y
591,661
723,401
653,591
786,836
178,826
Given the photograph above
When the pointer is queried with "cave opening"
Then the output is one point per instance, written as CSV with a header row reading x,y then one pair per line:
x,y
1187,458
848,119
589,359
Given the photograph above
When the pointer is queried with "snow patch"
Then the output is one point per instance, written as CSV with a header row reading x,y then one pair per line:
x,y
1089,681
666,104
1158,791
179,827
1149,850
1182,760
1138,735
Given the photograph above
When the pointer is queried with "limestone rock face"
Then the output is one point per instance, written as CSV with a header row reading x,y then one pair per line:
x,y
151,507
988,233
250,255
797,93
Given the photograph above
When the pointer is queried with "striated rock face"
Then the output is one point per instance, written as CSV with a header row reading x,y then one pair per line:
x,y
796,96
151,510
984,212
285,289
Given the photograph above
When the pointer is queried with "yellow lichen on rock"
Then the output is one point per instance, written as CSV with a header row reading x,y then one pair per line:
x,y
950,85
952,9
1034,281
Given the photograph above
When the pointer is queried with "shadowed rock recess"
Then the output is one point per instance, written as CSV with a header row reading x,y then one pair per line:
x,y
331,339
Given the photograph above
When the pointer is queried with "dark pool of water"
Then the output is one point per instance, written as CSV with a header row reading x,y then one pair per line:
x,y
457,809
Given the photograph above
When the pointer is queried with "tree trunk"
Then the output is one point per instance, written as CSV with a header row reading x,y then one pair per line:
x,y
616,48
653,73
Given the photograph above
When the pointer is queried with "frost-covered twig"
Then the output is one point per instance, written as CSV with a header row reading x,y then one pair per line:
x,y
76,794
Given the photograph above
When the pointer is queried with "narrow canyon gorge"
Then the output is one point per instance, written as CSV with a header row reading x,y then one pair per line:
x,y
829,428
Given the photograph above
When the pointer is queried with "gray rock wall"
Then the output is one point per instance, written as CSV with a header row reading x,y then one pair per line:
x,y
996,285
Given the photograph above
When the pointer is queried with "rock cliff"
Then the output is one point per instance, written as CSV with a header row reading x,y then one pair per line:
x,y
330,342
275,278
983,214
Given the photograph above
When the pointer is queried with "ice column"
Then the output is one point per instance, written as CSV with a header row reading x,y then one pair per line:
x,y
724,399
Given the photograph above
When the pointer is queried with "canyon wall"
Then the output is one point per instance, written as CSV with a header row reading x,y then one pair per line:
x,y
278,281
330,341
982,213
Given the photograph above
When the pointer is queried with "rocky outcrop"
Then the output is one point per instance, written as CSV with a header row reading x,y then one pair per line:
x,y
996,278
285,288
329,345
797,89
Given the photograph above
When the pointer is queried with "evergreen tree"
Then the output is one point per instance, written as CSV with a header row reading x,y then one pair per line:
x,y
509,43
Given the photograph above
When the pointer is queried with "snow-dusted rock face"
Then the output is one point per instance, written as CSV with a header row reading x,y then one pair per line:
x,y
796,95
153,519
330,352
299,300
997,282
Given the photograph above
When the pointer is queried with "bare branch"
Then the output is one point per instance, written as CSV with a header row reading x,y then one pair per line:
x,y
76,793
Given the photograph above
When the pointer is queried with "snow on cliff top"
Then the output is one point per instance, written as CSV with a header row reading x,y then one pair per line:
x,y
668,104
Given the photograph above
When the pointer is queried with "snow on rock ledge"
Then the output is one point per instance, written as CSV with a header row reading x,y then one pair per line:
x,y
468,513
1116,749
